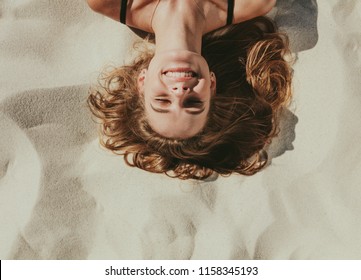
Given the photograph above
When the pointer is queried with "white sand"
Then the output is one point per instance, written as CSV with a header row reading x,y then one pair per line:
x,y
63,197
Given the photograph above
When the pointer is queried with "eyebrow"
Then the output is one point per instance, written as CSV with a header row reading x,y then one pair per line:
x,y
164,111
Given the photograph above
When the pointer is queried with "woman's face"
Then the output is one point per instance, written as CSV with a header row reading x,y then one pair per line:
x,y
177,89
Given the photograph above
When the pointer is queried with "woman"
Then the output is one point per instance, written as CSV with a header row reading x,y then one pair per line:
x,y
207,99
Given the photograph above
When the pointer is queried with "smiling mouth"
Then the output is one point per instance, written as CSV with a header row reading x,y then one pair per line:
x,y
180,73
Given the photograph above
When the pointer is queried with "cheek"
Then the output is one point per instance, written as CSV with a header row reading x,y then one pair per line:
x,y
204,91
152,87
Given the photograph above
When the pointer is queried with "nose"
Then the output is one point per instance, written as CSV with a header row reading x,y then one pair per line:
x,y
180,89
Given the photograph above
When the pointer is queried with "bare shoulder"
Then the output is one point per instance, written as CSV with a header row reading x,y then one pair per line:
x,y
247,9
109,8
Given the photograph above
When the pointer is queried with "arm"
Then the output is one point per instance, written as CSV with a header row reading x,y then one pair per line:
x,y
109,8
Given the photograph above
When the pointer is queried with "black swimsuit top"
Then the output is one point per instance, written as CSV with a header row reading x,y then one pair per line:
x,y
143,34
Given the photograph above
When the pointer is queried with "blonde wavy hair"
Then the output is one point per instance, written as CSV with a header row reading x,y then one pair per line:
x,y
253,83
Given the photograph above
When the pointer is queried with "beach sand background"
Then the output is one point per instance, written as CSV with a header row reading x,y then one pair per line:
x,y
62,196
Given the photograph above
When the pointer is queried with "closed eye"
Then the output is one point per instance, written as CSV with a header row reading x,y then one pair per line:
x,y
189,111
163,101
193,103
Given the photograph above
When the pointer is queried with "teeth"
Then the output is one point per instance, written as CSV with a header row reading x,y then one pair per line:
x,y
180,74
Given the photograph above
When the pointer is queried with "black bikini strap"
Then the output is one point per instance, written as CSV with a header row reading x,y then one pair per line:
x,y
230,12
123,11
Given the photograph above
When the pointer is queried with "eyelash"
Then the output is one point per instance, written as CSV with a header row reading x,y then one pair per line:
x,y
194,101
163,100
190,101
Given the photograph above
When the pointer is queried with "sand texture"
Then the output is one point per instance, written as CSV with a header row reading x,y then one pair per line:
x,y
62,196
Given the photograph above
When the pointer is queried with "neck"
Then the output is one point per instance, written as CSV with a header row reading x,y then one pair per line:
x,y
178,25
